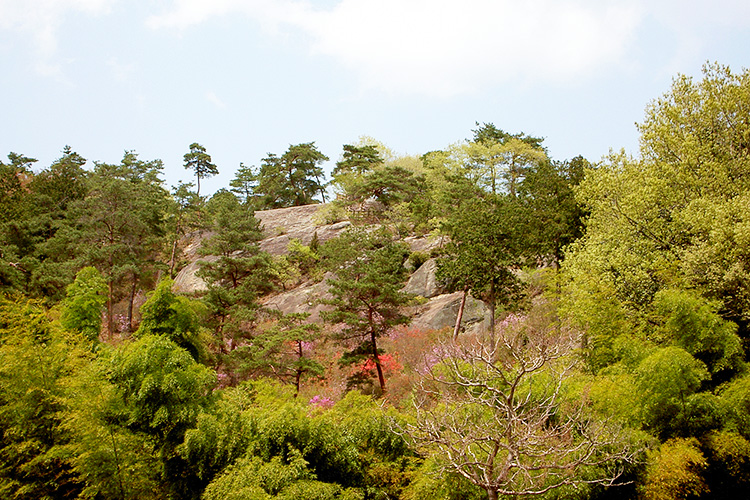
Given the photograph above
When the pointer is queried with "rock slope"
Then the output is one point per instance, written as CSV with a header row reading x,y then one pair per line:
x,y
282,225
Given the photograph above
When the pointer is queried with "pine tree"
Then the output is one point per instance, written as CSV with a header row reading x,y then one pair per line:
x,y
367,297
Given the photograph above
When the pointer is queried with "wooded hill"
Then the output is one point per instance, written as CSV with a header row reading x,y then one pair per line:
x,y
297,337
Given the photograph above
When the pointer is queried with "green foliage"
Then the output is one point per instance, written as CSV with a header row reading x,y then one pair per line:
x,y
199,161
367,295
675,471
61,184
177,318
694,324
111,460
239,272
667,379
389,185
303,257
34,359
729,464
355,164
245,184
254,479
160,390
488,133
508,160
221,434
483,252
416,259
616,394
13,177
119,227
735,400
29,261
280,427
183,215
678,217
509,415
298,451
430,483
554,217
292,179
281,350
83,307
161,386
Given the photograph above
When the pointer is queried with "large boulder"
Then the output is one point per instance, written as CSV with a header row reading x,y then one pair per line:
x,y
423,281
441,312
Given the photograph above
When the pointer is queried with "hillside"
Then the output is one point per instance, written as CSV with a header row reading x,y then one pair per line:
x,y
282,225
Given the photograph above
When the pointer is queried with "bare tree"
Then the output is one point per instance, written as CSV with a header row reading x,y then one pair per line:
x,y
502,416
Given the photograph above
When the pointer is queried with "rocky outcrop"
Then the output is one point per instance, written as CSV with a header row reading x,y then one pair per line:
x,y
282,225
279,227
187,281
441,312
423,281
302,299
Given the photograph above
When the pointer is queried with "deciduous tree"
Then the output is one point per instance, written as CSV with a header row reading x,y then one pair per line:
x,y
84,304
501,414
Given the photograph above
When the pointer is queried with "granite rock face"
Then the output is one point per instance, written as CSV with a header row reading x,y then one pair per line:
x,y
282,225
441,311
303,299
423,281
279,226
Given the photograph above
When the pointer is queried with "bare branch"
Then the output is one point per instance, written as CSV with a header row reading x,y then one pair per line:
x,y
499,414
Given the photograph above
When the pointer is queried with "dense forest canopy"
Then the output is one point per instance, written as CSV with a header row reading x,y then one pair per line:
x,y
612,362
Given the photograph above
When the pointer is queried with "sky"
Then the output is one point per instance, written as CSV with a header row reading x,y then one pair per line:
x,y
245,78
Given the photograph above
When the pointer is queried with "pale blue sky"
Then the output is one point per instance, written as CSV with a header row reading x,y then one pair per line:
x,y
248,77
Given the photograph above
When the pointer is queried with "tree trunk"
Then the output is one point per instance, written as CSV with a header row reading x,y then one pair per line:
x,y
110,308
322,190
491,494
131,300
172,257
460,315
375,356
298,374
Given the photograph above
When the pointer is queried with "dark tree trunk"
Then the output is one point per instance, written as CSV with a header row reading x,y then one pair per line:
x,y
110,308
298,374
131,300
375,356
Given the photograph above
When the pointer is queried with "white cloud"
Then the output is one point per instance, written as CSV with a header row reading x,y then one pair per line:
x,y
41,18
445,47
441,47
